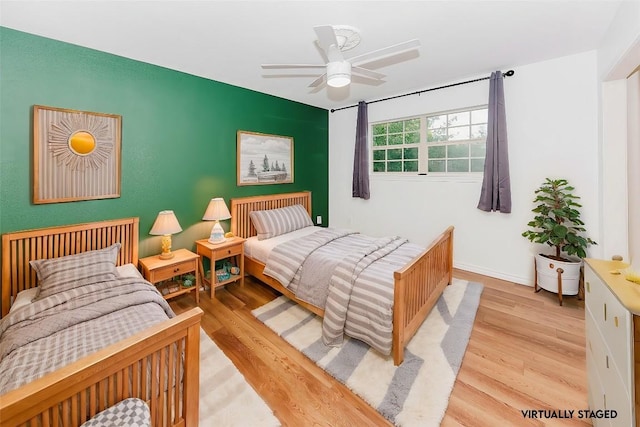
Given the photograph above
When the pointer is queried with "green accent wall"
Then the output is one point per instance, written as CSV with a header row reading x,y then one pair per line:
x,y
178,136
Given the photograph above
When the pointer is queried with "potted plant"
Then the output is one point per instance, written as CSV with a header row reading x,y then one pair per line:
x,y
557,223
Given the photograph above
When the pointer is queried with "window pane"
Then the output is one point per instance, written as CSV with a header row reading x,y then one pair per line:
x,y
437,135
457,133
394,166
410,125
412,138
395,139
411,166
479,131
438,152
436,165
411,153
436,122
478,149
455,143
379,155
479,116
395,127
394,154
378,166
459,119
379,140
477,165
458,150
380,129
458,165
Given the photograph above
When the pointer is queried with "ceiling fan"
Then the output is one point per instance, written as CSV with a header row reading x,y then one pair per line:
x,y
335,39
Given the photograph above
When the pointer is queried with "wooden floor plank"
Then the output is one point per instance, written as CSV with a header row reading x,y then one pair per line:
x,y
526,352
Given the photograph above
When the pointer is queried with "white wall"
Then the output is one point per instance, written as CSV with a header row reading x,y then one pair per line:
x,y
633,164
619,51
552,116
618,56
614,201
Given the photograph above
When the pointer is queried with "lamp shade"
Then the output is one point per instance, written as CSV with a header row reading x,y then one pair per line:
x,y
166,223
216,210
338,73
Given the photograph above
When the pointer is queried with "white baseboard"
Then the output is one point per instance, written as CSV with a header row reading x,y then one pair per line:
x,y
526,281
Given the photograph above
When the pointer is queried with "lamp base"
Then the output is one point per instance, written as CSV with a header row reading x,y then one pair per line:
x,y
217,234
166,255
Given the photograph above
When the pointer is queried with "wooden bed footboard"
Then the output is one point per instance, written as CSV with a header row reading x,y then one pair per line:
x,y
417,286
159,365
73,394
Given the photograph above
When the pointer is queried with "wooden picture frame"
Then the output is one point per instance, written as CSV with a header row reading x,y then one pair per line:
x,y
76,155
264,159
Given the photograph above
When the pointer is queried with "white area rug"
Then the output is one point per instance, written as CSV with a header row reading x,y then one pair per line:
x,y
226,399
416,393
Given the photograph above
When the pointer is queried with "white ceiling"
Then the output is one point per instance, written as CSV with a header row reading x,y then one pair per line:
x,y
228,40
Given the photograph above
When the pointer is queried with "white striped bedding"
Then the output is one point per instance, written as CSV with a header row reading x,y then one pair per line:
x,y
347,274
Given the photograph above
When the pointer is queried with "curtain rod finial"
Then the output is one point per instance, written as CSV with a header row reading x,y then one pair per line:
x,y
509,73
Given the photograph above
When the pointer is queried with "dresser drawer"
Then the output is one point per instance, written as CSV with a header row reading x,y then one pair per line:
x,y
607,389
614,323
168,272
596,395
617,328
227,252
594,291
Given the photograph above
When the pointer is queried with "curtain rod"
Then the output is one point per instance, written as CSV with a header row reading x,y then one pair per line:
x,y
507,74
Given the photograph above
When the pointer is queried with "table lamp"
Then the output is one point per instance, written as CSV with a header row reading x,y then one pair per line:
x,y
166,224
216,211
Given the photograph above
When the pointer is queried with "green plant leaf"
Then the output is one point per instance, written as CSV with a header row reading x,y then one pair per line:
x,y
560,231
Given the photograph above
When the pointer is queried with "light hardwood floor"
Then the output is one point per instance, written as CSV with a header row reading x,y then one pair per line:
x,y
525,352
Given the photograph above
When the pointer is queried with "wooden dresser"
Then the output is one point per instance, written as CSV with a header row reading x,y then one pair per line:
x,y
612,307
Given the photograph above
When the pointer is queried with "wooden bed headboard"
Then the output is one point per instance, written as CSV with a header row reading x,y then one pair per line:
x,y
241,207
20,247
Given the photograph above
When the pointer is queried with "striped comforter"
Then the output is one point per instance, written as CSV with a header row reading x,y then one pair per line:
x,y
350,276
55,331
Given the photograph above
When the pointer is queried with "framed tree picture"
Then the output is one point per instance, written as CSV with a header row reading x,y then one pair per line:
x,y
264,159
76,155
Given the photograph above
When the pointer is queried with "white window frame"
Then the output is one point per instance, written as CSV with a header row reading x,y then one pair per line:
x,y
423,147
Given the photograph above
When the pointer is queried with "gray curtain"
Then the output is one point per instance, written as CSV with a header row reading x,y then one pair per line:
x,y
360,183
496,185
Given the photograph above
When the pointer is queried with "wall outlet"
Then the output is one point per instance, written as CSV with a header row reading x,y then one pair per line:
x,y
319,220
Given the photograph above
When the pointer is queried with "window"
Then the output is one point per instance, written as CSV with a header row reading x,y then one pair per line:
x,y
450,143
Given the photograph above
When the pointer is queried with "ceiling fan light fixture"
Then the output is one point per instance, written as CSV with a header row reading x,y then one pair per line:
x,y
338,73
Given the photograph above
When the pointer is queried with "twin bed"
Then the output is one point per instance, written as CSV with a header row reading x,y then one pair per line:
x,y
157,358
415,276
121,341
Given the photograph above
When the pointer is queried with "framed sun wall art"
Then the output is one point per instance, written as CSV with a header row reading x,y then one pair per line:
x,y
76,155
264,159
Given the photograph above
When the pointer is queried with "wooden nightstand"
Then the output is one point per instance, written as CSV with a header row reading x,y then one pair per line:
x,y
157,270
231,248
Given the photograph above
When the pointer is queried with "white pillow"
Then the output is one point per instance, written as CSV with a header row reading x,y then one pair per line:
x,y
128,270
24,298
274,222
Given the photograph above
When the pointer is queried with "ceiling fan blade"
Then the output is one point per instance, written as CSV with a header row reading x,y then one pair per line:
x,y
326,36
317,82
328,42
368,73
287,66
385,52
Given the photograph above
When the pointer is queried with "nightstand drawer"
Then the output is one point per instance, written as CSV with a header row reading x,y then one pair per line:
x,y
170,271
227,252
